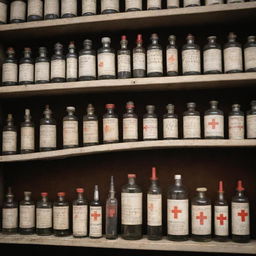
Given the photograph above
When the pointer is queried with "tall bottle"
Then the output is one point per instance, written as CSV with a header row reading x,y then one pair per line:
x,y
58,65
109,6
35,10
139,58
3,11
170,123
26,68
177,211
18,11
89,7
42,67
154,4
250,54
51,9
173,4
133,5
191,3
236,123
68,8
150,124
71,63
172,57
111,213
124,60
240,215
131,210
251,121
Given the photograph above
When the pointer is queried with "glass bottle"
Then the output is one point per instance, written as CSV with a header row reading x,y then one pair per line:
x,y
96,215
18,11
177,211
48,131
213,122
10,68
173,4
240,215
154,4
90,127
68,8
212,57
71,62
130,123
172,57
109,6
251,121
106,60
27,215
154,57
3,11
51,9
42,67
61,216
80,214
87,62
236,123
124,60
44,216
89,7
250,54
170,123
134,5
35,10
139,58
150,124
27,136
191,3
10,214
221,216
131,210
26,68
201,217
111,213
213,2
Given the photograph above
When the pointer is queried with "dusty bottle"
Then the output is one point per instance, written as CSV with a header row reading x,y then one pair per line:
x,y
154,4
213,2
42,67
250,54
51,9
172,57
170,123
124,60
131,210
3,11
26,68
89,7
139,58
68,8
58,65
236,123
71,62
173,4
35,10
18,11
109,6
133,5
251,121
191,3
150,124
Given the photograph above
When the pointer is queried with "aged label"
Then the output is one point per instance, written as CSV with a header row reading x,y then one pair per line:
x,y
51,7
154,212
191,2
26,72
43,217
87,65
170,126
47,136
70,133
154,4
233,59
91,132
191,61
10,72
42,71
106,64
9,141
221,220
240,219
212,2
139,61
236,127
61,217
109,5
133,4
27,138
212,60
3,12
250,57
154,61
110,129
18,10
191,127
10,218
172,60
68,6
58,69
72,67
214,125
130,128
89,6
251,126
80,215
35,7
201,219
96,221
27,216
173,3
124,63
150,128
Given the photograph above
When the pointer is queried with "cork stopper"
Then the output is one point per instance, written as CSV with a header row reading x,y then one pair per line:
x,y
203,189
87,42
44,194
139,38
106,40
232,36
154,36
177,177
27,50
150,108
172,38
10,50
240,186
27,193
80,190
131,175
42,49
9,117
221,187
71,109
214,103
212,39
110,106
154,176
190,38
130,105
61,194
47,110
236,107
191,105
170,108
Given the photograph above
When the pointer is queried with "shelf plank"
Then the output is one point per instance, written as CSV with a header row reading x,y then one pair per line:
x,y
143,244
127,146
133,84
206,15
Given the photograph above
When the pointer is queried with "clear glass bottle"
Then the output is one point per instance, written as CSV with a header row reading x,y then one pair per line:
x,y
251,121
173,4
71,62
42,67
191,3
154,4
109,6
26,68
139,58
3,11
89,7
131,6
68,8
172,57
170,123
18,10
236,123
150,124
35,10
51,9
123,60
250,54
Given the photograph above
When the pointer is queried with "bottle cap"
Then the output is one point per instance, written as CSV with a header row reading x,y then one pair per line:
x,y
221,187
27,49
154,36
172,38
123,38
177,177
9,117
240,186
111,106
80,190
72,43
105,40
214,102
154,177
10,50
190,37
58,46
129,105
150,107
231,35
87,42
191,105
211,38
139,38
201,189
236,106
131,175
43,194
61,194
27,193
71,108
42,49
170,107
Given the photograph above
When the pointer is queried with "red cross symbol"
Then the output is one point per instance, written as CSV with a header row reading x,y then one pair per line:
x,y
221,218
213,123
107,128
201,217
176,211
95,215
171,58
150,207
111,212
145,127
242,214
101,64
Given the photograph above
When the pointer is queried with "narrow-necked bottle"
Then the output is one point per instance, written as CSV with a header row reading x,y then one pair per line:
x,y
177,211
27,134
250,54
109,6
26,68
111,213
44,216
18,11
236,123
58,65
154,4
68,8
71,62
251,121
10,214
131,210
89,7
27,215
35,10
191,3
3,11
124,60
51,9
170,123
234,1
139,58
80,214
172,57
133,5
42,67
173,4
213,2
96,215
240,215
150,124
87,62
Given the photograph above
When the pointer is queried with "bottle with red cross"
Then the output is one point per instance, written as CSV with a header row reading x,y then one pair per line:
x,y
240,216
201,216
150,124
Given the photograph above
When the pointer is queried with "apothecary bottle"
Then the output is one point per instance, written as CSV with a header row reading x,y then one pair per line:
x,y
173,4
172,57
213,2
35,10
58,65
109,6
139,58
250,54
44,216
191,3
68,8
3,11
236,123
170,123
26,68
154,4
150,124
251,121
133,5
124,60
18,11
51,9
42,67
71,63
89,7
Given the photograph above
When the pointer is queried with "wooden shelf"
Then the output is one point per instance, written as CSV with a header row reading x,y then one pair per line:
x,y
206,15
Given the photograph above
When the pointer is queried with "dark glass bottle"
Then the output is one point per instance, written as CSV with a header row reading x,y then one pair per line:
x,y
51,9
10,68
236,123
191,3
26,68
89,7
131,6
3,11
240,216
150,124
68,8
18,11
139,58
251,121
154,4
172,57
87,62
44,216
173,4
177,211
27,215
35,10
109,6
58,65
10,214
250,54
124,60
61,216
42,67
131,210
111,213
170,123
71,61
201,217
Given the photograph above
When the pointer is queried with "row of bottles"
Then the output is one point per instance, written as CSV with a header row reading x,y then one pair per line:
x,y
87,65
43,218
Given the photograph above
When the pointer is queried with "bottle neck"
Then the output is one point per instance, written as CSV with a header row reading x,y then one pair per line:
x,y
190,41
155,41
221,196
178,182
9,199
130,110
106,45
27,54
110,111
58,51
123,45
70,113
27,198
11,55
87,47
139,44
191,109
172,42
80,196
61,198
201,195
44,199
47,115
240,193
96,195
71,50
131,181
42,54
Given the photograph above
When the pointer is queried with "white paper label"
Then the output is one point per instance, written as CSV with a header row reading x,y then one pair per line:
x,y
221,220
106,64
96,221
153,4
139,61
154,205
172,60
26,72
130,128
110,129
58,69
214,126
51,7
170,126
233,59
133,4
61,217
70,133
150,128
10,218
201,219
18,10
212,2
191,2
177,217
68,6
240,219
27,216
191,61
89,6
47,136
250,57
109,5
251,126
191,127
3,12
87,65
71,67
10,72
43,217
124,63
154,61
131,208
173,3
91,132
212,60
236,127
35,7
9,141
27,138
42,71
80,215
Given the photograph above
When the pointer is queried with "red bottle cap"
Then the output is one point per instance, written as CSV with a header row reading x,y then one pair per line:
x,y
221,186
129,105
61,194
110,105
44,194
240,186
123,38
132,175
80,190
154,177
139,38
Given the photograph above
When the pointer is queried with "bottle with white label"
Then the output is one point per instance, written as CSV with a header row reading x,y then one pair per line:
x,y
154,4
110,125
89,7
191,3
250,54
170,123
139,58
27,215
191,122
236,123
95,215
51,9
27,134
154,209
173,4
10,214
191,59
90,127
80,214
212,57
44,216
87,62
3,11
106,60
213,122
61,216
58,65
71,62
26,68
233,59
213,2
48,131
172,57
240,216
131,210
130,123
10,68
251,121
42,67
150,124
234,1
109,6
177,211
154,57
133,5
35,10
68,8
18,11
9,137
201,217
123,60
